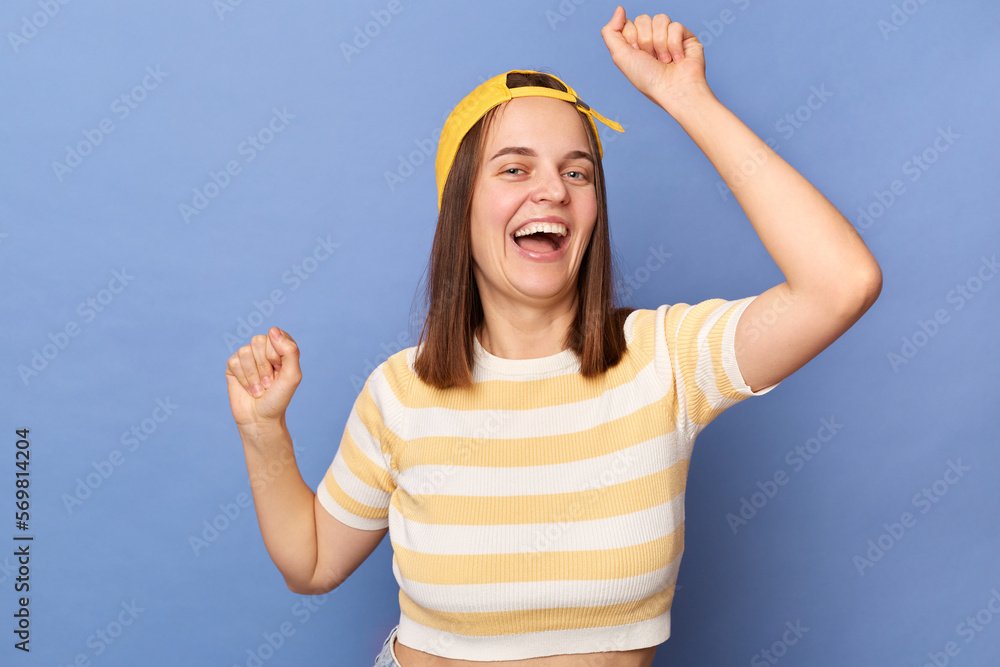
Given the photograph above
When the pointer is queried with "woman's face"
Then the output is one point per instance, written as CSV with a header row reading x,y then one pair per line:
x,y
534,204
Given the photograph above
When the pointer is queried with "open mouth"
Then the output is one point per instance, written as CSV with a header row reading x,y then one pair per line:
x,y
541,237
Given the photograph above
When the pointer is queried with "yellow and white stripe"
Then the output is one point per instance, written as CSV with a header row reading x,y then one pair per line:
x,y
539,512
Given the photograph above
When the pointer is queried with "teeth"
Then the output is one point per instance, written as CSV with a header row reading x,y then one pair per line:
x,y
545,227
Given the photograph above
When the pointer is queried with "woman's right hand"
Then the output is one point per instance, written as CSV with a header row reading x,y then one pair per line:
x,y
661,58
262,377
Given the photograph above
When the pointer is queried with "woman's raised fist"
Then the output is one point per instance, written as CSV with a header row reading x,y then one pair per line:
x,y
262,377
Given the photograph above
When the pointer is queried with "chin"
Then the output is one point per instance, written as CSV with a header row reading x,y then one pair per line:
x,y
544,289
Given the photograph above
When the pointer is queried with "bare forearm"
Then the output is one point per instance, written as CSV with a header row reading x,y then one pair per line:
x,y
815,247
284,504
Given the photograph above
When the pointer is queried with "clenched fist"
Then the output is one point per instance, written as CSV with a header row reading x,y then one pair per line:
x,y
262,377
660,57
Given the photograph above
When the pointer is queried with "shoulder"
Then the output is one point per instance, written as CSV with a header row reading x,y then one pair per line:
x,y
391,377
711,322
638,325
684,326
640,331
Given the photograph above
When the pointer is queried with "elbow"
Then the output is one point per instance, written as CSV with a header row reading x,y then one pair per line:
x,y
309,590
860,290
298,587
869,285
310,587
848,292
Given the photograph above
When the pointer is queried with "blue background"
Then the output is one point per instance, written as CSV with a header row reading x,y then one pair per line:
x,y
347,119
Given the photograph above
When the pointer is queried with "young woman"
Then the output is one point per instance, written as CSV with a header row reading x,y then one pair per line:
x,y
529,457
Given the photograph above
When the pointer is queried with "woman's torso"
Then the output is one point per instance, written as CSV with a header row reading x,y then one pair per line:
x,y
575,531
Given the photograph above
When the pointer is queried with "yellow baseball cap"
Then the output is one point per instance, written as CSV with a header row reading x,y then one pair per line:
x,y
489,94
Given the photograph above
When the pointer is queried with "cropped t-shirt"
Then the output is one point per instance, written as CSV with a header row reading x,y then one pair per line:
x,y
539,512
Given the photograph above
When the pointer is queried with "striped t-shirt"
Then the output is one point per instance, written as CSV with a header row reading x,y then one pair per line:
x,y
539,512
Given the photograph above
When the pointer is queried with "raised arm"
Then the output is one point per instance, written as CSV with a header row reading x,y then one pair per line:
x,y
314,551
831,278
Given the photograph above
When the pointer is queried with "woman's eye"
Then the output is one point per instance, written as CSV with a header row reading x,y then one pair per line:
x,y
511,170
580,175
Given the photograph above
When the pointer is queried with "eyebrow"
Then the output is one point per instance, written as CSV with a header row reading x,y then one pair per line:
x,y
521,150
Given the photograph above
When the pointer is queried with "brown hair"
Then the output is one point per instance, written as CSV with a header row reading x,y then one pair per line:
x,y
454,311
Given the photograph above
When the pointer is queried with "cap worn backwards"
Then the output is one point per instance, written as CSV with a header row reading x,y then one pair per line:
x,y
489,94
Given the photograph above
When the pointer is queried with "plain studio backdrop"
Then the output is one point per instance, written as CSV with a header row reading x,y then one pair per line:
x,y
179,176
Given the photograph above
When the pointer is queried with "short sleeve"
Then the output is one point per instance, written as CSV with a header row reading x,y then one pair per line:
x,y
699,342
358,484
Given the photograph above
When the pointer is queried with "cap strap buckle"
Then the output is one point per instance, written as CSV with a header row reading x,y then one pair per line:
x,y
537,91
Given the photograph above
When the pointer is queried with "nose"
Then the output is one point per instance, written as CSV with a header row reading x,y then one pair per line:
x,y
549,186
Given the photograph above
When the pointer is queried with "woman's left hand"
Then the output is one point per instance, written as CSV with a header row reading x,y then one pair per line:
x,y
660,57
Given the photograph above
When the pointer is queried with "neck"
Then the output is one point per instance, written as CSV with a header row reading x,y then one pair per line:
x,y
523,332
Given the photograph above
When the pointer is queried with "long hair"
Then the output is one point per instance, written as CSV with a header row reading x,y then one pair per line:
x,y
454,310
